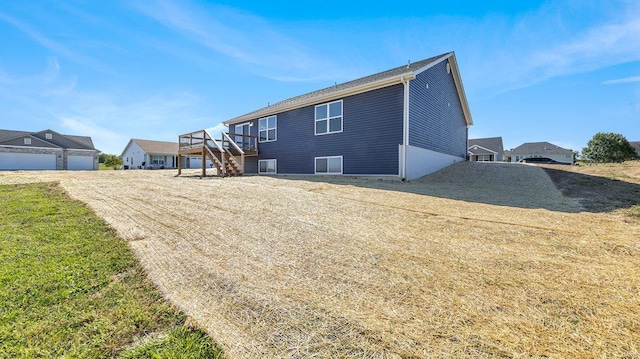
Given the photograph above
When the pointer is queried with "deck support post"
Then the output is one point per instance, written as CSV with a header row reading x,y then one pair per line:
x,y
204,162
179,164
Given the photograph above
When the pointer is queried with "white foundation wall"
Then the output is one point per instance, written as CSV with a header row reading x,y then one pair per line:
x,y
421,162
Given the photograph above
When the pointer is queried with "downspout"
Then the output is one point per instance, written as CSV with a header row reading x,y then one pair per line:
x,y
405,128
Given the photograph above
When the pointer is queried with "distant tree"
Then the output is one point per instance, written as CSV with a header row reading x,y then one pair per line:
x,y
576,154
102,157
113,161
608,147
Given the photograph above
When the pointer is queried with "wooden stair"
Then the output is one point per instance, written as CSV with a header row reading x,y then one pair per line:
x,y
220,152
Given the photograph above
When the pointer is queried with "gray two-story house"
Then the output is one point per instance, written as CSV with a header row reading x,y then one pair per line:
x,y
405,122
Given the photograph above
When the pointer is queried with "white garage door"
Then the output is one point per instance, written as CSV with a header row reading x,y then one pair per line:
x,y
27,161
80,162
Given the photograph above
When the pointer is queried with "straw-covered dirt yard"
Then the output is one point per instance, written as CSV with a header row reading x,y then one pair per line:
x,y
476,260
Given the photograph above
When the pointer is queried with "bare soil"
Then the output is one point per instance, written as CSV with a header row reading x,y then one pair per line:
x,y
476,260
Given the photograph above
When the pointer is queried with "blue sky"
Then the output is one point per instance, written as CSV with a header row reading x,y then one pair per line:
x,y
556,71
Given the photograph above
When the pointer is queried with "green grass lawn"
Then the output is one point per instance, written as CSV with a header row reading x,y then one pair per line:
x,y
102,167
69,287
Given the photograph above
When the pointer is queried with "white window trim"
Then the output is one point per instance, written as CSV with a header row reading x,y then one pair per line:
x,y
48,136
267,129
328,119
27,141
240,125
315,170
267,160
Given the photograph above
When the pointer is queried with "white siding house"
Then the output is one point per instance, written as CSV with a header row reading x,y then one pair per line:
x,y
148,154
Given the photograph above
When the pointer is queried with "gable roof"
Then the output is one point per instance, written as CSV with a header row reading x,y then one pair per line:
x,y
491,144
479,150
539,148
80,142
9,134
378,80
150,146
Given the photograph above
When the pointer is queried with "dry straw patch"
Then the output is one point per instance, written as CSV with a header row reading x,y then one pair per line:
x,y
478,260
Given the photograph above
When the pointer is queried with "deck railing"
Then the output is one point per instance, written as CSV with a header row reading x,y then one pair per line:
x,y
223,152
246,143
240,142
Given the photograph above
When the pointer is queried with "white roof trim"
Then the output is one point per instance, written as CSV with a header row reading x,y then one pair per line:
x,y
484,148
432,64
461,94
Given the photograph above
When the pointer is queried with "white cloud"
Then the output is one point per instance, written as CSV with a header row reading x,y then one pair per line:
x,y
158,117
244,38
217,129
104,140
622,81
499,53
52,45
51,100
599,47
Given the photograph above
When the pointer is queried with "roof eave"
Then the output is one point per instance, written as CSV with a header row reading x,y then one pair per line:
x,y
484,148
397,79
460,88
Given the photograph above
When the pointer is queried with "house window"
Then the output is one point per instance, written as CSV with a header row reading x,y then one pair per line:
x,y
157,161
267,129
267,166
328,165
48,136
328,118
27,141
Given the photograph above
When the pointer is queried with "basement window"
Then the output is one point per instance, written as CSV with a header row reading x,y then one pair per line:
x,y
328,165
267,166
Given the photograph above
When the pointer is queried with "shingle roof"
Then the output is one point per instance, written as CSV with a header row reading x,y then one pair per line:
x,y
539,148
83,141
491,143
7,134
399,71
160,147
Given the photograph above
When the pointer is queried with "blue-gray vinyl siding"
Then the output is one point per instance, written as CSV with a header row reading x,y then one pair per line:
x,y
371,132
436,119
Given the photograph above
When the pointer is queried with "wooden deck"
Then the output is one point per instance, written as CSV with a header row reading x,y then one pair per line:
x,y
227,154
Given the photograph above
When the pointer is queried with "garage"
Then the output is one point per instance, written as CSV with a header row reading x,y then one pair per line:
x,y
27,161
80,163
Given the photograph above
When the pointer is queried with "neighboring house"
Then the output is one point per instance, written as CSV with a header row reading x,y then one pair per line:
x,y
541,149
46,150
636,146
486,149
405,122
507,156
139,154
